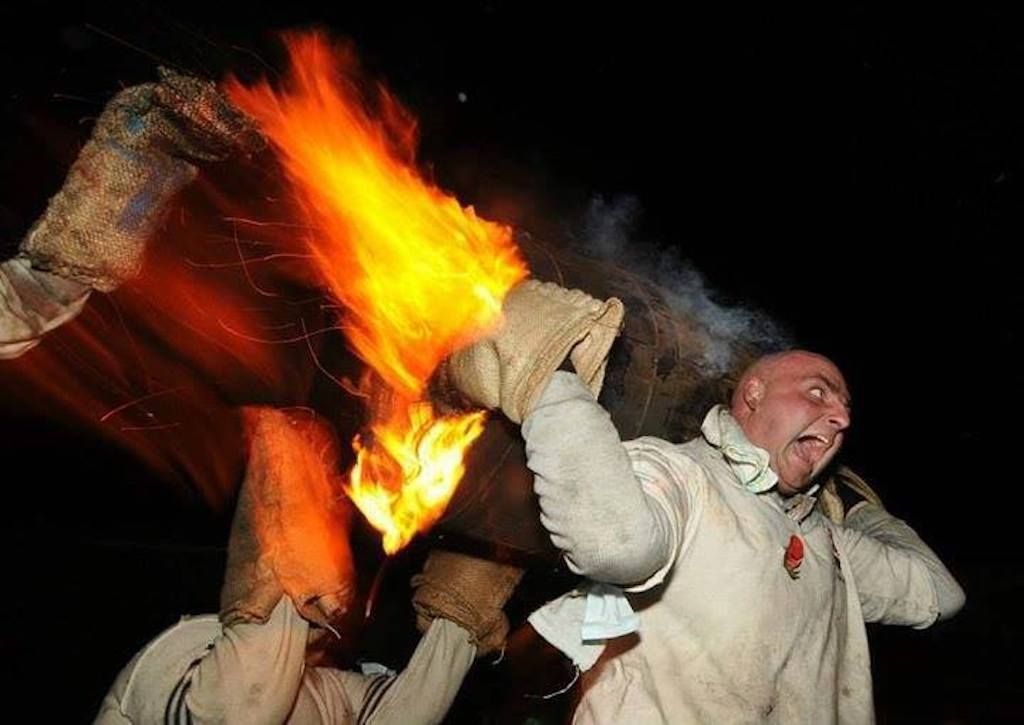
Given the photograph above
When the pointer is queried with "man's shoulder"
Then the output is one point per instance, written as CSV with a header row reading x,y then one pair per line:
x,y
684,459
700,452
702,460
655,446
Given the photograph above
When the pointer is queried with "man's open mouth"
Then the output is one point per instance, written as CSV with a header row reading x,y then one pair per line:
x,y
812,446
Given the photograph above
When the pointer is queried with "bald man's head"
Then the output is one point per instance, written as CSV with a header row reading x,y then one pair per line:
x,y
795,405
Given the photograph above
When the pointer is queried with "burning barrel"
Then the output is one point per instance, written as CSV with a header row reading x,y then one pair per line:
x,y
659,382
371,219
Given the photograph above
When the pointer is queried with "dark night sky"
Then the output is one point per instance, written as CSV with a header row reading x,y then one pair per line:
x,y
857,176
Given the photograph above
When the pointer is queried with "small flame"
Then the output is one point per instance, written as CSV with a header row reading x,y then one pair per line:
x,y
426,453
417,274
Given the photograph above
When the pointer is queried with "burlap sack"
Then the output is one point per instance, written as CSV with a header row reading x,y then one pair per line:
x,y
118,191
290,531
469,591
543,324
835,502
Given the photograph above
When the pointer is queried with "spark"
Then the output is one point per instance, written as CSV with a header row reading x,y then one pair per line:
x,y
136,401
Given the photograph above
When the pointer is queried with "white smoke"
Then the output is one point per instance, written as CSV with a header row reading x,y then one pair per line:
x,y
608,232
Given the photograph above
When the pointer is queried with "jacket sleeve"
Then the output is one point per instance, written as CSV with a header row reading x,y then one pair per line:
x,y
899,578
32,303
251,673
256,673
199,671
421,694
613,522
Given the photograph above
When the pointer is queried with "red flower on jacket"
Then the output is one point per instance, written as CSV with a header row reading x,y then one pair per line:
x,y
794,556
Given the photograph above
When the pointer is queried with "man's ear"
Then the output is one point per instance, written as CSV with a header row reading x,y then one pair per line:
x,y
752,393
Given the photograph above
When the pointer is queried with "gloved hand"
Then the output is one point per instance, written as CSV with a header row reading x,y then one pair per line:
x,y
290,531
117,192
543,324
468,591
842,492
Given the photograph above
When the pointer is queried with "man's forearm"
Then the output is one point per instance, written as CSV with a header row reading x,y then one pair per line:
x,y
899,541
591,502
424,691
252,672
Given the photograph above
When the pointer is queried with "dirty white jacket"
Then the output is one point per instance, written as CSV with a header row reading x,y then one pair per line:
x,y
32,303
201,672
726,634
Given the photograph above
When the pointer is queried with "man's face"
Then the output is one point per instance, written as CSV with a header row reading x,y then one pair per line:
x,y
797,410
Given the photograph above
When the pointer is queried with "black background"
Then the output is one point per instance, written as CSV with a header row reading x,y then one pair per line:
x,y
857,175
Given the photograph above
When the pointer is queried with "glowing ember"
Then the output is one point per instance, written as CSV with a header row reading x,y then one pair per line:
x,y
417,274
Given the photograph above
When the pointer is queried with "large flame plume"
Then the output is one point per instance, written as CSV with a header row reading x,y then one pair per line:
x,y
417,274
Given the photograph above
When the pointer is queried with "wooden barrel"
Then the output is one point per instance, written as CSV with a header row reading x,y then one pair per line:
x,y
660,382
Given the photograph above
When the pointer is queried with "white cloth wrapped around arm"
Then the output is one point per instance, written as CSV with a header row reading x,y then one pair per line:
x,y
899,578
32,303
592,504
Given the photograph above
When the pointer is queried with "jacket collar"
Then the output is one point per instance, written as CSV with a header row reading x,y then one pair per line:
x,y
750,464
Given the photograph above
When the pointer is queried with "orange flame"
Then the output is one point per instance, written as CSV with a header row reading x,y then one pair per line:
x,y
427,454
418,274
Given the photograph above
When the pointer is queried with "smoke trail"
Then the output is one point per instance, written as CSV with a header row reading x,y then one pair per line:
x,y
607,232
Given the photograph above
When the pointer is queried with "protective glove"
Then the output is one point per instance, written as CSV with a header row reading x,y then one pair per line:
x,y
290,531
468,591
118,190
543,324
844,491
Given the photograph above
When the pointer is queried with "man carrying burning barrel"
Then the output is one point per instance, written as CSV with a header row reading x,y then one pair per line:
x,y
751,602
725,591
